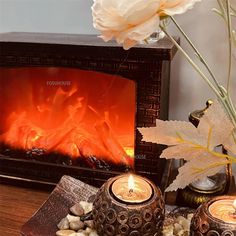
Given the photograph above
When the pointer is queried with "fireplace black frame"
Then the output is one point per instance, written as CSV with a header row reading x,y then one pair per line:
x,y
147,65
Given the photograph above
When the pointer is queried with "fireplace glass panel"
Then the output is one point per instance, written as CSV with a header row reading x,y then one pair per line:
x,y
67,116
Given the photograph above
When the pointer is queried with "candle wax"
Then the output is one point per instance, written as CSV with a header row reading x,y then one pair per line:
x,y
223,210
142,190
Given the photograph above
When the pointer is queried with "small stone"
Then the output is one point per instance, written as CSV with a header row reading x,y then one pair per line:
x,y
186,225
77,210
89,223
168,230
87,206
82,231
93,233
63,224
88,230
64,232
177,228
76,225
180,219
73,218
78,234
190,216
182,233
81,234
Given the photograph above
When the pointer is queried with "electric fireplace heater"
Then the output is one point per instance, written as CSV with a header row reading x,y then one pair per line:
x,y
71,104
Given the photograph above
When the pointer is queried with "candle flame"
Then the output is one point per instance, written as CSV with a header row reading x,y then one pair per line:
x,y
234,204
131,183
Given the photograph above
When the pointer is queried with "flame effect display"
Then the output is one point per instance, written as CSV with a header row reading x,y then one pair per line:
x,y
69,111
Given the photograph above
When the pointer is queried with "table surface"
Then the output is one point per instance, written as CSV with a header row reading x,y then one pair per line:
x,y
17,205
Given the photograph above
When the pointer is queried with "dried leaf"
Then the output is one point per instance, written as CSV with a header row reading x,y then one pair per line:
x,y
169,132
197,168
230,143
195,145
185,151
219,124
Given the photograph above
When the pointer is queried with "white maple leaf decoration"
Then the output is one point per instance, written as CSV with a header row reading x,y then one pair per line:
x,y
195,145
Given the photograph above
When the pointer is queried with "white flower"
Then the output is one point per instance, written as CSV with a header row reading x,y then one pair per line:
x,y
135,20
174,7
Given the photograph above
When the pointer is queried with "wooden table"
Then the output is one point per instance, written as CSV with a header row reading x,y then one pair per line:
x,y
17,205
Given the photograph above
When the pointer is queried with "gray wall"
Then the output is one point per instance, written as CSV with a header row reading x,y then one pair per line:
x,y
187,92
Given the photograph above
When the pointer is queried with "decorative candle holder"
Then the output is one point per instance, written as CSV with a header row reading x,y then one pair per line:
x,y
215,218
113,215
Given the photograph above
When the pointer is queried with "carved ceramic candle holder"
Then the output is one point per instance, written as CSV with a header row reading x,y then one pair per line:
x,y
216,217
135,209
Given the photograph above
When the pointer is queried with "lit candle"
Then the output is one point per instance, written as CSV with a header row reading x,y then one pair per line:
x,y
128,205
234,205
224,210
132,189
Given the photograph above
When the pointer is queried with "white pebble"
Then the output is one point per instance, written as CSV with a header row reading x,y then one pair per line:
x,y
93,233
88,230
177,227
182,233
186,225
81,234
180,219
78,234
190,216
73,218
64,232
87,206
76,225
63,224
77,210
168,231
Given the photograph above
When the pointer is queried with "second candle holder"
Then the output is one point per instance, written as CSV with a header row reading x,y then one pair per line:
x,y
129,205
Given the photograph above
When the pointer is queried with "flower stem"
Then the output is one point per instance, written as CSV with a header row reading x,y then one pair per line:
x,y
229,107
198,54
221,95
192,62
221,7
229,24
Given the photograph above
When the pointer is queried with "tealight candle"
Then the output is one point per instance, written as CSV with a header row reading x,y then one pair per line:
x,y
132,189
215,217
129,205
224,210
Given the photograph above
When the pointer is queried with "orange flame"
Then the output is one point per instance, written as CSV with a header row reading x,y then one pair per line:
x,y
92,118
131,183
234,204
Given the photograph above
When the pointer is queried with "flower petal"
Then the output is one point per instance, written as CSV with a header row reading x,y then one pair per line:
x,y
126,21
138,33
174,7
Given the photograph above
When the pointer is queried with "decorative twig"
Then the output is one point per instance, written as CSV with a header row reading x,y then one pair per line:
x,y
203,61
229,27
223,98
192,62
